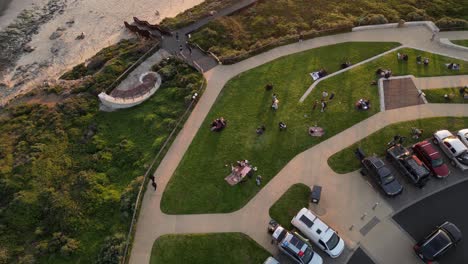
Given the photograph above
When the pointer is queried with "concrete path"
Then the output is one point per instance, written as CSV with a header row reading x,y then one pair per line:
x,y
441,82
346,197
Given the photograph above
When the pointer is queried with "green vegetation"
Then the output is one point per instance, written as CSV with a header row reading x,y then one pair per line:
x,y
270,21
199,179
437,96
110,60
461,42
345,161
219,248
195,13
287,206
69,174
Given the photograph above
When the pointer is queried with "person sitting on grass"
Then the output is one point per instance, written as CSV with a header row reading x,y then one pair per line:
x,y
419,59
426,61
282,126
453,66
260,130
363,104
218,124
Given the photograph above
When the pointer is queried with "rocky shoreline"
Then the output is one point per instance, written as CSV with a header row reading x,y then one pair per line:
x,y
14,41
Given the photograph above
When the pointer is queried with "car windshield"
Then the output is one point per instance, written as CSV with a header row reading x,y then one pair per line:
x,y
463,158
437,162
308,254
438,242
333,241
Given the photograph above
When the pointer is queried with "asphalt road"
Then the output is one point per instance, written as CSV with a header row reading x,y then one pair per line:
x,y
360,257
451,205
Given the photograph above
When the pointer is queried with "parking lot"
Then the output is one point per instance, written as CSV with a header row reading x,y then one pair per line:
x,y
448,205
411,193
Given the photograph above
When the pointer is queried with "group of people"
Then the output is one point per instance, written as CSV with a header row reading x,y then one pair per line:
x,y
453,66
382,73
218,124
363,104
403,57
421,60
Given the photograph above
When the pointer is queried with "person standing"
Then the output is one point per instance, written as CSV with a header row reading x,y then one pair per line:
x,y
181,48
433,36
177,36
324,106
324,95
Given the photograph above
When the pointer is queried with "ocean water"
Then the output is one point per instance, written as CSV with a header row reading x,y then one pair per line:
x,y
3,5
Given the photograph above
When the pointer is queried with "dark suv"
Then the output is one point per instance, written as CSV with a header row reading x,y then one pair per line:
x,y
382,175
438,242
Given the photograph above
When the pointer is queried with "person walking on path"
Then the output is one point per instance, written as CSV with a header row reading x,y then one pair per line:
x,y
154,185
151,178
433,36
181,48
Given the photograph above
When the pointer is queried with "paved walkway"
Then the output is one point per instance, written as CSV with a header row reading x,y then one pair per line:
x,y
346,197
441,82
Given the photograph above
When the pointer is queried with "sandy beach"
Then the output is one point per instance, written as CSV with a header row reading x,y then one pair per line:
x,y
100,21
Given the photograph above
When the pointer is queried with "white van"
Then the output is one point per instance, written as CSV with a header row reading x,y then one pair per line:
x,y
318,232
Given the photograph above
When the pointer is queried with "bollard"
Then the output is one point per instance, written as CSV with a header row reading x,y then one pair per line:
x,y
375,205
363,216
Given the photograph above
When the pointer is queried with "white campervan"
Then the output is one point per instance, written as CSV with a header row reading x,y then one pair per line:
x,y
318,232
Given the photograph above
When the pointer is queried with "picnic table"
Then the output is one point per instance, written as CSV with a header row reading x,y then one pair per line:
x,y
238,174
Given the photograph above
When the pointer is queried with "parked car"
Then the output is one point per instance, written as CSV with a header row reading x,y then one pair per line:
x,y
380,173
296,247
271,260
409,165
438,242
463,136
432,158
453,148
318,232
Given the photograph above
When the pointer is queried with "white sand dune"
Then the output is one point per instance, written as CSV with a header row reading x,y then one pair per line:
x,y
100,20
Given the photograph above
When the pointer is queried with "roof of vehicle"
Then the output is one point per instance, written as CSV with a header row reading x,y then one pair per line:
x,y
429,149
311,225
443,134
377,162
457,145
463,132
435,244
453,231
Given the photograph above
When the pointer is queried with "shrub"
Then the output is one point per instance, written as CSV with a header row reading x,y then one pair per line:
x,y
451,23
374,19
76,73
128,197
111,252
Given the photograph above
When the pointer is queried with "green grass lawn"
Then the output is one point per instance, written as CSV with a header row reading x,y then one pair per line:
x,y
437,96
461,42
345,161
287,206
198,184
219,248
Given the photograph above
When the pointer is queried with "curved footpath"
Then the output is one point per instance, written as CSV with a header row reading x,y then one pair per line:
x,y
345,198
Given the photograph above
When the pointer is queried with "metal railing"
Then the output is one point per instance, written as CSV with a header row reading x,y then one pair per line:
x,y
136,210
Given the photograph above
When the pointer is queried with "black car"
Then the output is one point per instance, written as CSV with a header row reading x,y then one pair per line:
x,y
382,175
438,242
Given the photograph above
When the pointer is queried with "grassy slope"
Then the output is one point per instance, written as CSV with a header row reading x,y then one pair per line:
x,y
437,96
287,206
461,42
345,161
199,179
270,20
207,248
65,154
